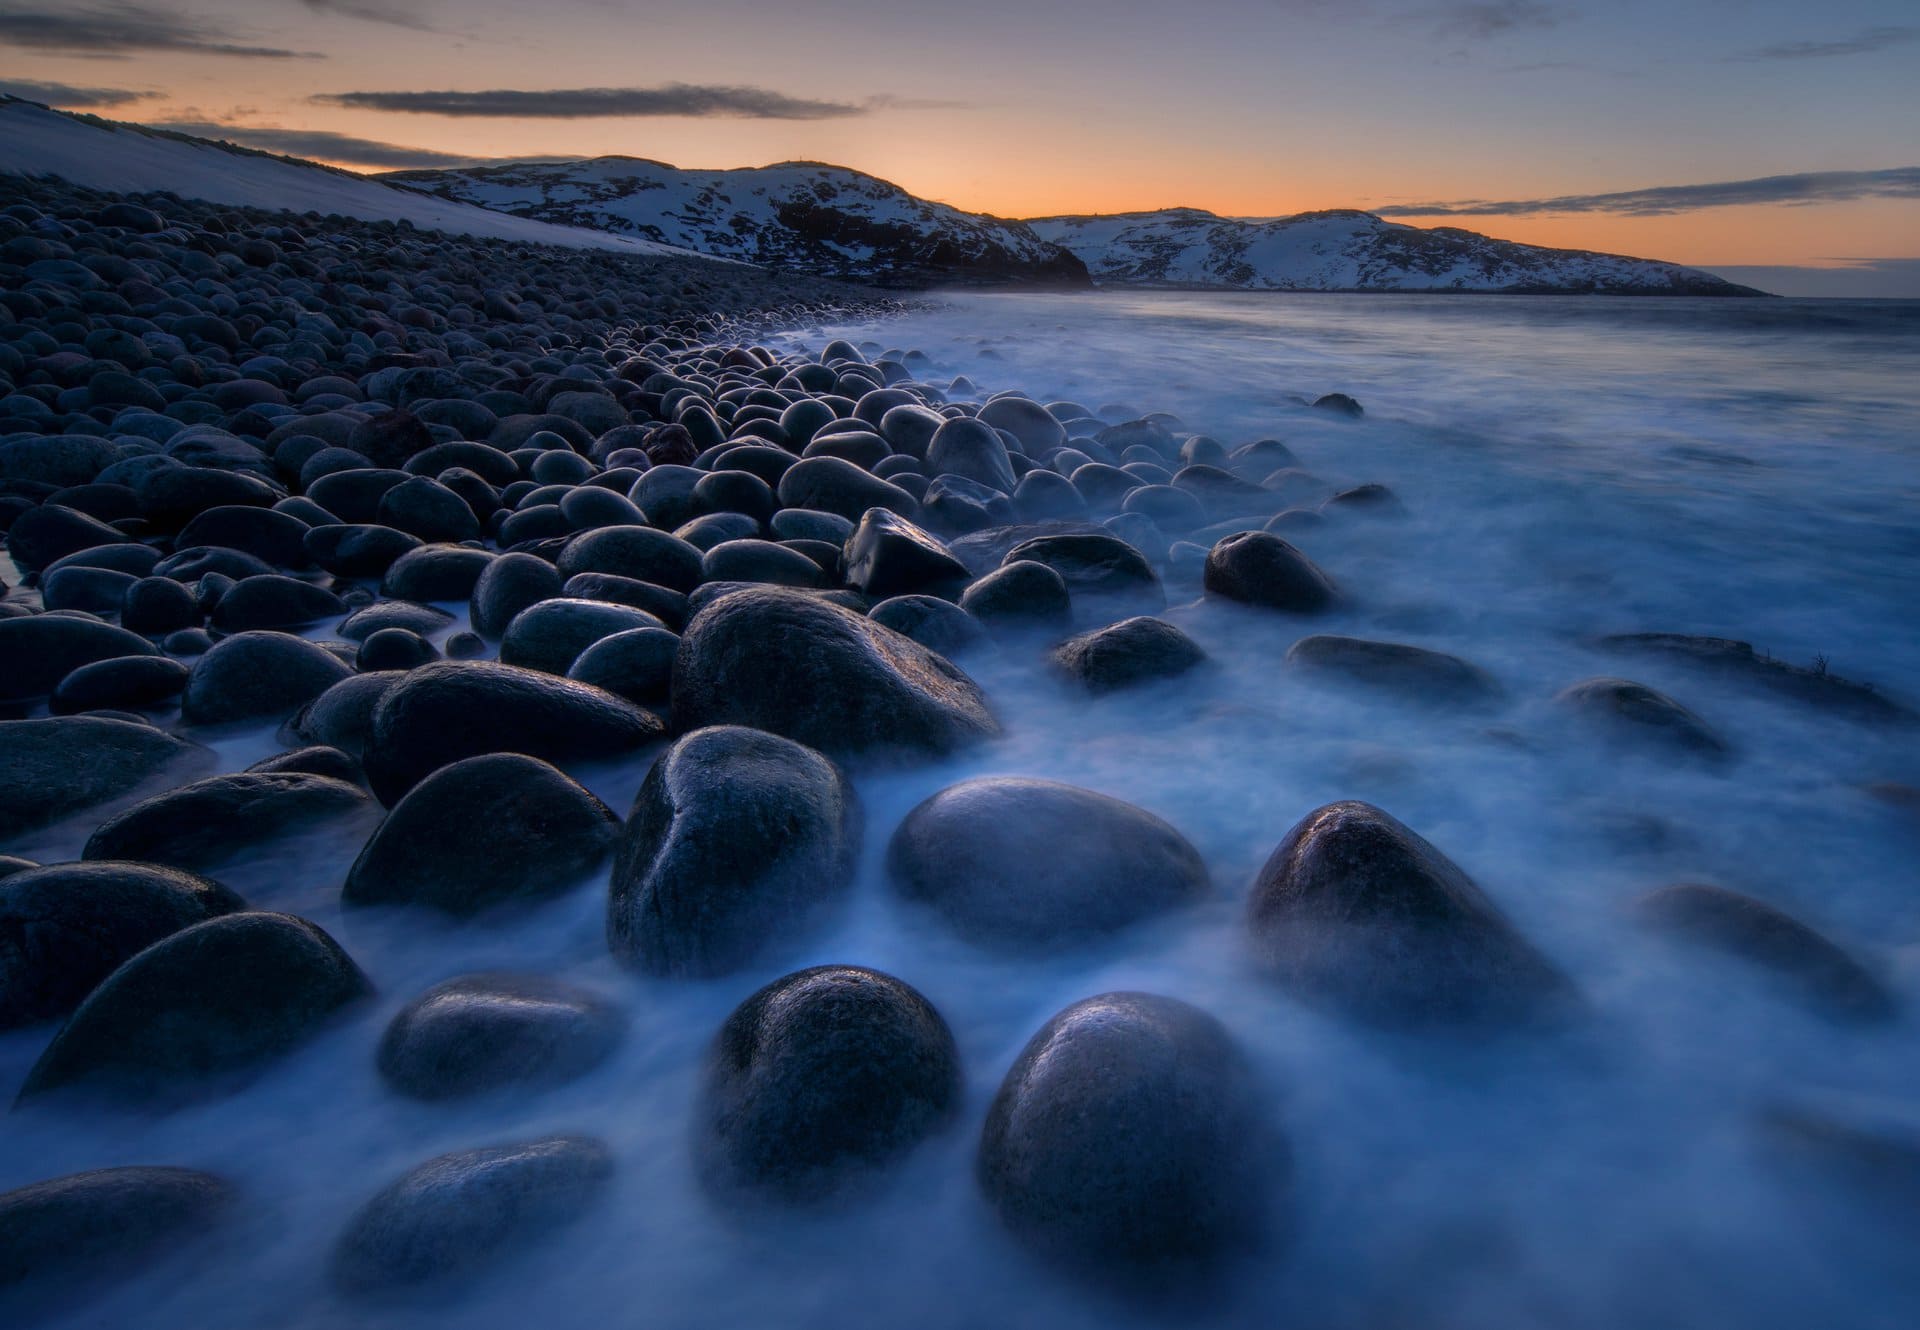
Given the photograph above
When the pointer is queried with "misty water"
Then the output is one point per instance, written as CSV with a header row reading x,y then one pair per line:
x,y
1569,468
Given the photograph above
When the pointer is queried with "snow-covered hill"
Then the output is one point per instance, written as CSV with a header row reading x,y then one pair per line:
x,y
1348,251
800,216
104,154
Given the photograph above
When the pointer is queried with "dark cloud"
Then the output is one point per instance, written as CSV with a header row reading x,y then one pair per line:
x,y
1494,18
673,99
324,144
114,31
398,13
68,97
1873,39
1810,187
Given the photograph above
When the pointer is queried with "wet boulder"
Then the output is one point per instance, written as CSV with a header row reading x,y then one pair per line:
x,y
53,769
1416,673
274,601
639,552
37,651
1019,596
342,716
510,584
52,531
938,625
66,927
464,1213
209,822
71,1236
1814,968
481,831
1022,865
821,1078
1132,652
791,664
1129,1143
258,676
487,1032
357,549
1354,910
889,556
125,683
973,450
636,664
199,1006
549,636
435,572
737,840
1107,577
1259,568
834,485
436,715
1633,713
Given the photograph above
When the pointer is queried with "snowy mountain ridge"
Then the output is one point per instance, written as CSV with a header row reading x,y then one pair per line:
x,y
1348,250
805,216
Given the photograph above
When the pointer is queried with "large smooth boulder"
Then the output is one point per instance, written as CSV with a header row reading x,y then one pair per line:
x,y
51,769
463,1213
1804,962
820,1078
342,717
199,826
1259,568
1022,864
437,714
475,833
67,1237
736,839
791,664
1129,1142
486,1032
258,676
65,927
1356,911
199,1006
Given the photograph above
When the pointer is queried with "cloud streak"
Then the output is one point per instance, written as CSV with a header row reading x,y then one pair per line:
x,y
1873,39
326,145
114,31
1485,21
67,97
1806,188
398,15
705,101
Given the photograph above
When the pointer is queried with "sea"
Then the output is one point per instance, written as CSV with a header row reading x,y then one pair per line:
x,y
1567,469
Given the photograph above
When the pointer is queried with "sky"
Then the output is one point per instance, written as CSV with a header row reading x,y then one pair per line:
x,y
1774,142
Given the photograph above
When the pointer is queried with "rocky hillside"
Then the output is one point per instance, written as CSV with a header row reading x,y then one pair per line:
x,y
797,216
1345,250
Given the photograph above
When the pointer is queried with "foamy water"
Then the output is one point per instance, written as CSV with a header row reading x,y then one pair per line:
x,y
1570,468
